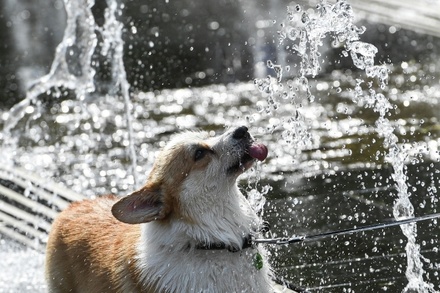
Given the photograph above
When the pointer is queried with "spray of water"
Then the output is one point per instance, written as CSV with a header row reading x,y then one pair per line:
x,y
73,68
304,32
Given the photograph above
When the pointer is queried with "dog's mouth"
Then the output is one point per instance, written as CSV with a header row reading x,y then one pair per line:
x,y
253,151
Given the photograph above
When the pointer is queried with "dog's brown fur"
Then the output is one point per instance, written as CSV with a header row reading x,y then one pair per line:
x,y
76,249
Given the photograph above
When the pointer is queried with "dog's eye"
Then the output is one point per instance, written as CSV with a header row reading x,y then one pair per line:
x,y
200,154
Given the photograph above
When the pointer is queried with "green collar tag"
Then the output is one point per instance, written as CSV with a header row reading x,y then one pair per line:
x,y
258,261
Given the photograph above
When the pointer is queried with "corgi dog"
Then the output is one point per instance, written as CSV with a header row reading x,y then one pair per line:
x,y
188,229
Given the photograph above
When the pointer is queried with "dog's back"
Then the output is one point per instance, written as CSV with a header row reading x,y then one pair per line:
x,y
89,250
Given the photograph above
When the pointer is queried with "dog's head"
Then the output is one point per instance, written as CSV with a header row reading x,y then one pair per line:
x,y
193,170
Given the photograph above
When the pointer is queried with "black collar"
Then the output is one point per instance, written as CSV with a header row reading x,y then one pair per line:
x,y
247,243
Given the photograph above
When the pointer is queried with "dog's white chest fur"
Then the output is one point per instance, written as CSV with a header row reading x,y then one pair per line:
x,y
170,254
188,269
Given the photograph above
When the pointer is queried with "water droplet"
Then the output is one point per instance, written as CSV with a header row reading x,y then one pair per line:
x,y
305,18
269,64
259,106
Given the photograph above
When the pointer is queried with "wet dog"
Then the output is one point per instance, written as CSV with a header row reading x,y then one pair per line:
x,y
188,229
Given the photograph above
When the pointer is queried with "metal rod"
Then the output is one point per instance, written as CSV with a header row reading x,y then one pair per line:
x,y
313,237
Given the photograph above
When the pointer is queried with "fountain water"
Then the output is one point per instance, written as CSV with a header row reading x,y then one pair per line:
x,y
96,120
73,68
305,31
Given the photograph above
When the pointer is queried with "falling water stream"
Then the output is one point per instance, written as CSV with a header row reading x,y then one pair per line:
x,y
102,123
304,32
74,68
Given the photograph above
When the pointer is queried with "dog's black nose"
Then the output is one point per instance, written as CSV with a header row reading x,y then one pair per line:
x,y
240,132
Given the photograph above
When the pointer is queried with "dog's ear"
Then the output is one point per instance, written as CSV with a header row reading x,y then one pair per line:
x,y
142,206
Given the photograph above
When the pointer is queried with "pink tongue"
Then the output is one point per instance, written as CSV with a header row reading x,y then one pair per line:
x,y
258,151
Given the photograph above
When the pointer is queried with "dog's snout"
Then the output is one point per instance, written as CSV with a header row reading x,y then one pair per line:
x,y
240,133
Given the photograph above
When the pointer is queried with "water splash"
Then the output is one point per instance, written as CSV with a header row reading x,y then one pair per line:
x,y
73,68
112,35
304,32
